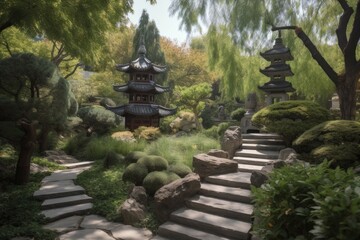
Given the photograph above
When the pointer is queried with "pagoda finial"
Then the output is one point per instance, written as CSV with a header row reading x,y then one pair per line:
x,y
142,49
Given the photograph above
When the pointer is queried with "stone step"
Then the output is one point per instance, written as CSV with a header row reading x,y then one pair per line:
x,y
228,193
213,224
253,161
263,141
249,168
65,201
60,176
175,231
158,237
58,192
78,164
238,179
261,136
220,207
257,154
256,146
58,213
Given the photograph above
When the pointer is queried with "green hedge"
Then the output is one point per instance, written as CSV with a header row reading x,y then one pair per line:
x,y
135,173
154,163
155,180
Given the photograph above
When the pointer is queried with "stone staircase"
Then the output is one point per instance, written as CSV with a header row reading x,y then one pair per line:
x,y
222,210
61,197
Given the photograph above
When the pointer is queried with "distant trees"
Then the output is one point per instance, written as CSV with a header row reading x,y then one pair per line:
x,y
34,100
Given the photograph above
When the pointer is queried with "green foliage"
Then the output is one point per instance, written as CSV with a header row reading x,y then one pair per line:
x,y
337,141
181,149
290,118
155,180
147,133
154,163
97,117
207,116
20,214
43,162
222,128
165,124
211,132
180,169
238,114
75,144
112,159
303,202
106,188
135,173
132,157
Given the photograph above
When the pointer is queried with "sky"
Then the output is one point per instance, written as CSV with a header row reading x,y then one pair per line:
x,y
168,25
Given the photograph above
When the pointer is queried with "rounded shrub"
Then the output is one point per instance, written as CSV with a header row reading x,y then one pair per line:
x,y
290,118
155,180
222,128
134,156
238,114
112,158
180,169
337,141
135,173
154,163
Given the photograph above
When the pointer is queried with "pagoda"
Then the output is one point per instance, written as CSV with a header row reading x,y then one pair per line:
x,y
141,89
277,88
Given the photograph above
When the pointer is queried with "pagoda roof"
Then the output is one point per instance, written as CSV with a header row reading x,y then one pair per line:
x,y
277,86
142,110
150,86
279,51
141,64
277,69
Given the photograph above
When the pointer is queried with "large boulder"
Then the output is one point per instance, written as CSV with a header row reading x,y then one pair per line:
x,y
172,196
231,140
139,194
132,212
206,165
218,153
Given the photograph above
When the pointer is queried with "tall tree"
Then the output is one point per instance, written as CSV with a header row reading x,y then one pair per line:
x,y
248,21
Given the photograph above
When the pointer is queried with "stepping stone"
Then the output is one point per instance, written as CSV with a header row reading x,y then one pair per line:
x,y
58,192
127,232
220,207
257,154
78,164
65,201
76,171
60,176
257,146
249,168
58,213
253,161
261,136
58,184
214,224
97,222
238,179
157,237
65,225
177,231
86,234
263,141
227,193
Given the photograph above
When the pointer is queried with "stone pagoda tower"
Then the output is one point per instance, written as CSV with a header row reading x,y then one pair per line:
x,y
141,89
277,88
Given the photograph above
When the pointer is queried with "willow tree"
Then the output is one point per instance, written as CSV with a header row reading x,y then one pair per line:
x,y
248,21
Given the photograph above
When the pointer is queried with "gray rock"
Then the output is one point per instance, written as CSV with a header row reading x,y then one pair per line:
x,y
218,153
97,222
86,234
65,225
139,194
172,196
126,232
258,178
206,165
132,212
284,153
231,141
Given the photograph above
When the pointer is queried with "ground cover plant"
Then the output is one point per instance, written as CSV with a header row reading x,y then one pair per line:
x,y
308,202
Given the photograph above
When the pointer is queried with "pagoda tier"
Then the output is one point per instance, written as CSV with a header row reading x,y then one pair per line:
x,y
142,110
278,52
141,87
277,87
277,70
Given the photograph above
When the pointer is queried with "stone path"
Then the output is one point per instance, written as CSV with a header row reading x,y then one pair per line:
x,y
223,210
66,205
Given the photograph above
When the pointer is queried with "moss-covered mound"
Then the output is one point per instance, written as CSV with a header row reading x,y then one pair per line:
x,y
337,141
180,169
135,173
155,180
154,163
112,159
290,118
134,156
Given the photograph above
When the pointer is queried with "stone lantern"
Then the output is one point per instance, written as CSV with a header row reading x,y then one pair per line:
x,y
277,88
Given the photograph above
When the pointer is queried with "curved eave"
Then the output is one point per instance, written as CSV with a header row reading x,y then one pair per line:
x,y
141,87
274,54
146,110
277,86
275,70
141,64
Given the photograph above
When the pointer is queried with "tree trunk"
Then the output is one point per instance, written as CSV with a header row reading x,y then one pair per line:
x,y
346,90
27,147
